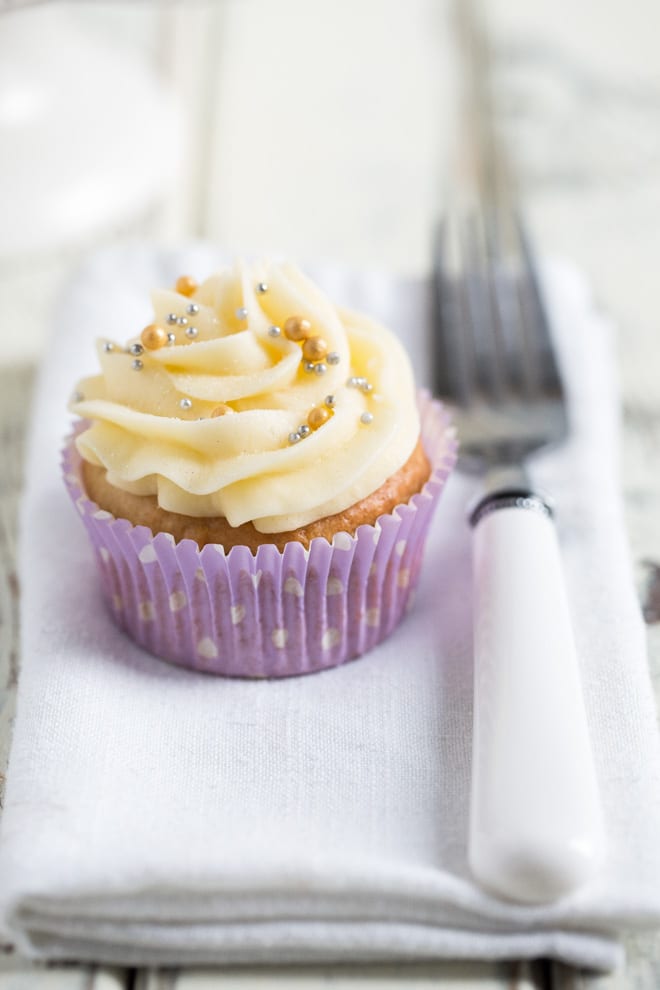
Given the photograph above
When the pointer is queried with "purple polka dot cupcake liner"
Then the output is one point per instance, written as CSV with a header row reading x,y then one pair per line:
x,y
271,613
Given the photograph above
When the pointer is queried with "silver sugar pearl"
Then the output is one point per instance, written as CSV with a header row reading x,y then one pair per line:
x,y
330,401
294,437
304,430
136,364
192,309
241,313
274,331
107,347
136,349
308,366
320,368
366,418
185,404
192,332
354,382
172,318
182,321
333,358
262,287
171,339
367,387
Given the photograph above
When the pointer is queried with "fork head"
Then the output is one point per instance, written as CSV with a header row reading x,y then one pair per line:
x,y
493,353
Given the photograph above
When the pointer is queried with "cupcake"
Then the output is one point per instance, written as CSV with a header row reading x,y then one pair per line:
x,y
257,475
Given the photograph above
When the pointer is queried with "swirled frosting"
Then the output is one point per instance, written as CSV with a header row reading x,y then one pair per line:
x,y
152,427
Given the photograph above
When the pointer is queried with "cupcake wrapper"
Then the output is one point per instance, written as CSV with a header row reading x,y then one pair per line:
x,y
274,613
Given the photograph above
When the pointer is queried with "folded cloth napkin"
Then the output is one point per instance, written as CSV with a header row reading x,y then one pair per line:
x,y
158,816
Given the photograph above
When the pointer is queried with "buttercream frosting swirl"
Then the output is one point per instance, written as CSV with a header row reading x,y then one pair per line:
x,y
242,465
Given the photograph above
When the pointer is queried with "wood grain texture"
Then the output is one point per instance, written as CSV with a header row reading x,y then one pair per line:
x,y
15,389
16,974
468,975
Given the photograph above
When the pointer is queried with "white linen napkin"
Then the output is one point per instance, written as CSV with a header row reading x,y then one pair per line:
x,y
156,816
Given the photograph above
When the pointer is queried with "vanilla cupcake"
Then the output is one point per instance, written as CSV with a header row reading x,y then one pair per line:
x,y
257,475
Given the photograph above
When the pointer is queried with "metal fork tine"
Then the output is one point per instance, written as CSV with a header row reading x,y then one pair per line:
x,y
505,304
534,320
481,313
494,356
452,361
493,349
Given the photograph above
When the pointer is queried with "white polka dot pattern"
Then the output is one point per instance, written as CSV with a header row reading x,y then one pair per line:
x,y
292,586
279,637
207,648
267,614
237,614
147,554
330,638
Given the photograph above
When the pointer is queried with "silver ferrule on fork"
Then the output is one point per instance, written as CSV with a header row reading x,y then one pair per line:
x,y
509,498
507,487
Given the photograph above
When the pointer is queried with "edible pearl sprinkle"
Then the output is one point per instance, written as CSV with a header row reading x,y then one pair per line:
x,y
262,287
221,410
185,285
294,437
315,348
182,321
171,338
330,401
192,309
192,332
317,417
274,332
136,349
185,404
153,337
107,347
304,430
171,318
308,366
137,365
320,368
333,358
241,313
366,418
367,387
297,328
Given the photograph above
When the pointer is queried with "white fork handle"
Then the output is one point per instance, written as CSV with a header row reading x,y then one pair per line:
x,y
536,830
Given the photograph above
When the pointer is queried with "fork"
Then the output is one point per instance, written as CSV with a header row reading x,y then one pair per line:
x,y
536,829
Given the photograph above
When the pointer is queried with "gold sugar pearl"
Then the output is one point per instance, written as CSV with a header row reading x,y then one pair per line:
x,y
297,328
153,337
315,349
221,410
185,285
317,417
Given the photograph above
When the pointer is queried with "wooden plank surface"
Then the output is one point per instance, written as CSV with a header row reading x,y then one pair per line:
x,y
16,974
448,975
